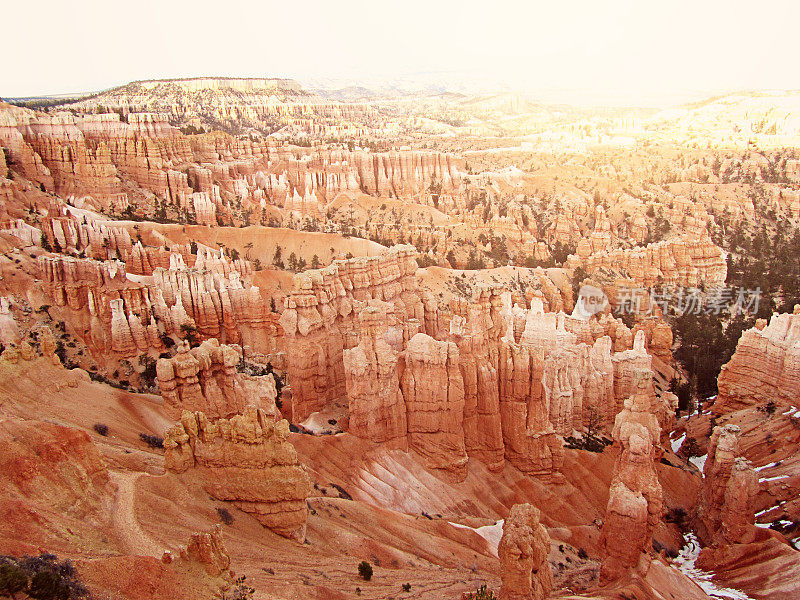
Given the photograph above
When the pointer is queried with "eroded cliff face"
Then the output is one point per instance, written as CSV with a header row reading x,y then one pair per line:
x,y
320,320
765,366
138,163
433,389
635,498
377,410
523,551
685,261
130,315
726,504
245,460
205,379
478,379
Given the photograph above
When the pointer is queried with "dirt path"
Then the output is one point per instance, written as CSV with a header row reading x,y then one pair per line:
x,y
133,539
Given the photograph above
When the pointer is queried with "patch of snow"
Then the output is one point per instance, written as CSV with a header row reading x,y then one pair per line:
x,y
491,533
676,444
699,461
769,466
685,562
772,478
791,410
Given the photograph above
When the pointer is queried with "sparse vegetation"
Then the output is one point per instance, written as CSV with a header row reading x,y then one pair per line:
x,y
239,590
101,428
41,577
225,516
482,593
365,570
152,440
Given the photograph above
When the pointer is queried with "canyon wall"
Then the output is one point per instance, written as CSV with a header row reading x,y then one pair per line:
x,y
765,366
635,498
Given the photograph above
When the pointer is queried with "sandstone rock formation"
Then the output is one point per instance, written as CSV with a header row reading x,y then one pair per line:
x,y
128,315
635,499
726,503
377,407
245,460
476,328
433,389
523,551
765,366
320,320
208,550
687,262
205,379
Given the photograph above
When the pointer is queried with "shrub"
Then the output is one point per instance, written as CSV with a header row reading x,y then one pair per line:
x,y
154,441
406,587
690,448
365,570
225,516
676,515
46,585
482,593
12,579
582,554
41,578
101,428
239,590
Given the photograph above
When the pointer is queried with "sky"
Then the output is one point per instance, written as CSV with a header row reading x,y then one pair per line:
x,y
639,51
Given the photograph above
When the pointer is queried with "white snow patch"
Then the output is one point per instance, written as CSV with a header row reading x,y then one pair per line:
x,y
769,466
791,410
676,444
773,478
491,533
685,564
699,461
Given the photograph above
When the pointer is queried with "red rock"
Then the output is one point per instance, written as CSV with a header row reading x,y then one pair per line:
x,y
635,498
205,379
765,366
433,389
726,503
208,550
523,551
377,408
245,460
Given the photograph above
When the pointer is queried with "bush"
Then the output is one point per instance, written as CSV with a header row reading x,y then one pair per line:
x,y
676,515
101,428
46,585
365,570
225,516
154,441
41,578
12,579
239,590
406,587
482,593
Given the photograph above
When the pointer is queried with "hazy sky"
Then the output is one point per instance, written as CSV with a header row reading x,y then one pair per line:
x,y
634,48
